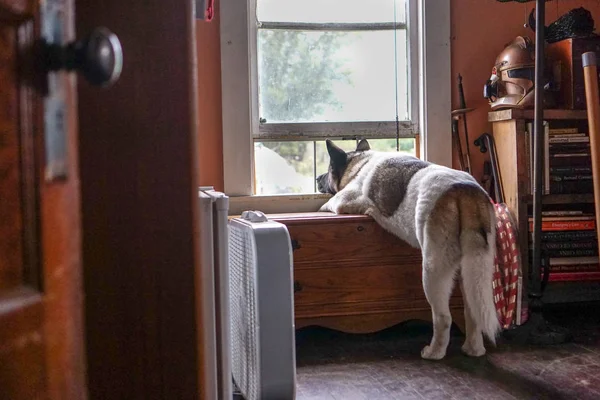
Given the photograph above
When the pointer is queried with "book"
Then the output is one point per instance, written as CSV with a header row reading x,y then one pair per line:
x,y
575,268
567,170
558,131
573,260
568,178
570,154
572,253
571,245
574,276
568,218
569,235
561,213
568,140
558,148
565,225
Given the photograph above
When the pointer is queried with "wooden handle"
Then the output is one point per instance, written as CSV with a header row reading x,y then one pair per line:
x,y
590,74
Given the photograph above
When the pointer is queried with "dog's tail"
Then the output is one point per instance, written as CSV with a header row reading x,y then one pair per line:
x,y
478,248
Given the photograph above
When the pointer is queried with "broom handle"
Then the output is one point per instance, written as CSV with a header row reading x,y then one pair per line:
x,y
590,74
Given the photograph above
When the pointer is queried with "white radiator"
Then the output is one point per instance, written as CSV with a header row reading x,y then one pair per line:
x,y
262,308
246,289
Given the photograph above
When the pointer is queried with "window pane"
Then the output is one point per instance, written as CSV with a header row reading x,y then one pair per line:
x,y
323,11
315,76
407,145
284,167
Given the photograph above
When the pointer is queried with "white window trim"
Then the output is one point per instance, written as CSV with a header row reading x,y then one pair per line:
x,y
240,99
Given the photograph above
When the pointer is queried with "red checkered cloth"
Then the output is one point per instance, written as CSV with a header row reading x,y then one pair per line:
x,y
507,266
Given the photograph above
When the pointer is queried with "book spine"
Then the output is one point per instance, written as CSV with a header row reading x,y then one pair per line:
x,y
571,245
562,131
561,213
573,260
568,178
569,140
575,268
566,155
569,147
574,235
567,219
572,253
567,170
566,225
567,135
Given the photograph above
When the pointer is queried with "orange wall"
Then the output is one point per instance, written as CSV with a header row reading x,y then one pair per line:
x,y
210,126
479,30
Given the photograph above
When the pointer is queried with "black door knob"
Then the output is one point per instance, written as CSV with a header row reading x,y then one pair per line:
x,y
98,57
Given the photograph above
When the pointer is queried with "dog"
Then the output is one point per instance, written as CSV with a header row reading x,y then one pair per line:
x,y
442,211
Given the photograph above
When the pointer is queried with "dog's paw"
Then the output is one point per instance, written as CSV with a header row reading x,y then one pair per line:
x,y
432,353
327,207
324,208
473,350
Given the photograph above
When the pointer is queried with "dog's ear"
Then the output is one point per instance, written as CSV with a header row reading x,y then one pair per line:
x,y
338,156
363,145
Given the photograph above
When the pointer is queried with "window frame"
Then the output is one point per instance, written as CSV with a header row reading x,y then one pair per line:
x,y
429,83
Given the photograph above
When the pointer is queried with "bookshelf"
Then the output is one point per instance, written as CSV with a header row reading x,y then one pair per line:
x,y
510,129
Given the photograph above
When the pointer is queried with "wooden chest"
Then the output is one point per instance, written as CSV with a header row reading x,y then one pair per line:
x,y
564,59
351,275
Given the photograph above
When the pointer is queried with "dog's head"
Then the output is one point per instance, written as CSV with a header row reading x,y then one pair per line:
x,y
339,160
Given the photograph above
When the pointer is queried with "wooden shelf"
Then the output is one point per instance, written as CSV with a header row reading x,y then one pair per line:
x,y
562,198
574,276
505,115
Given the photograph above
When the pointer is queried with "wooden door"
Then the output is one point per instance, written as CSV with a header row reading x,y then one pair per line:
x,y
140,205
41,319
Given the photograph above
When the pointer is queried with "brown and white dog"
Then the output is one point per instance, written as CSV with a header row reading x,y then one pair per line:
x,y
442,211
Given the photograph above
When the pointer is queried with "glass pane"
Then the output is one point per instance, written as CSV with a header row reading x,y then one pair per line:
x,y
323,11
407,145
315,76
284,167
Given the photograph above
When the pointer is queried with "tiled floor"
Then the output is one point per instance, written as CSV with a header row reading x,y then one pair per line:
x,y
387,365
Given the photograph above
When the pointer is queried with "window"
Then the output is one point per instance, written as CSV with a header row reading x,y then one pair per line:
x,y
295,73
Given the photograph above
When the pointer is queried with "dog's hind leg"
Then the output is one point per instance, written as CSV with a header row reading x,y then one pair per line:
x,y
473,345
439,269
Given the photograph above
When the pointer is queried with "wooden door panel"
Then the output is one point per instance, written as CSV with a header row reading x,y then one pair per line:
x,y
11,215
140,205
22,348
41,346
22,344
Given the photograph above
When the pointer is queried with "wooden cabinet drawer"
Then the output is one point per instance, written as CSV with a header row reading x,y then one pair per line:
x,y
348,241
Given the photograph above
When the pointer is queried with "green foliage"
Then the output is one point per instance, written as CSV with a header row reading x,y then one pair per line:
x,y
297,71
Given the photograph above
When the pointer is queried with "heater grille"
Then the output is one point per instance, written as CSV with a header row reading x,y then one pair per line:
x,y
244,311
